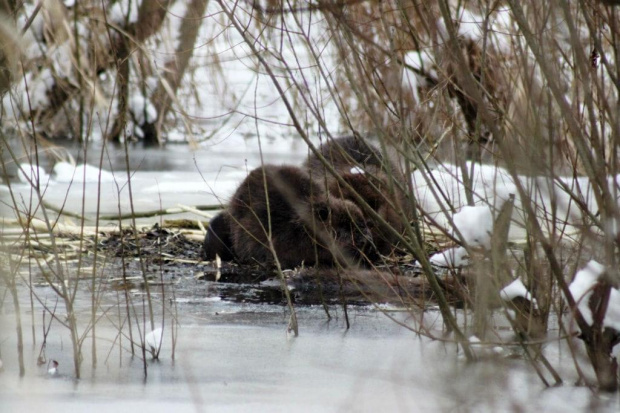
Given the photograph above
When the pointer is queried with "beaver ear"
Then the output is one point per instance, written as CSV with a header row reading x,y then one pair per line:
x,y
321,210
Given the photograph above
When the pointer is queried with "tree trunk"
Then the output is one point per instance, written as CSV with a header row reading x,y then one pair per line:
x,y
151,16
171,78
600,341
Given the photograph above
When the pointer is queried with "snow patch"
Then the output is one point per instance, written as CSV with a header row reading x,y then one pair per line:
x,y
31,173
440,190
66,172
451,258
516,289
142,109
153,340
470,26
422,61
581,289
475,223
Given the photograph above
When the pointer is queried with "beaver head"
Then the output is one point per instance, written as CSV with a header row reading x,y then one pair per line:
x,y
367,173
342,231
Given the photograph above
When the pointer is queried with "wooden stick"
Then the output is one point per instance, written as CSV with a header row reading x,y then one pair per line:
x,y
158,212
196,211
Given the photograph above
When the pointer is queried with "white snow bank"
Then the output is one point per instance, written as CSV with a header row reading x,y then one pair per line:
x,y
31,173
66,172
443,189
34,97
475,225
581,289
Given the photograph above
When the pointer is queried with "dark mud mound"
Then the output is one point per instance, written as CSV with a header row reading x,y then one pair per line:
x,y
169,256
156,244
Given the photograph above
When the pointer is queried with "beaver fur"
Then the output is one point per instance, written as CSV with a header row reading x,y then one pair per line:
x,y
306,225
218,239
367,171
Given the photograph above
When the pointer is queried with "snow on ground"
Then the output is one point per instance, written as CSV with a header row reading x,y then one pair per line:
x,y
142,109
420,60
581,289
451,258
66,172
442,189
229,93
31,173
475,225
516,289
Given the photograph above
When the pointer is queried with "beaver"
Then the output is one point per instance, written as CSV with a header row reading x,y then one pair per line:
x,y
306,226
347,152
218,240
367,171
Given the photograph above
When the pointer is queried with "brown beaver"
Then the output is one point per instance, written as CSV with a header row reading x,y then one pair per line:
x,y
218,240
306,226
368,172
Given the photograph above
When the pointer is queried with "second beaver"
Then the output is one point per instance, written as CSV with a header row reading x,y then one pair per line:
x,y
367,171
281,210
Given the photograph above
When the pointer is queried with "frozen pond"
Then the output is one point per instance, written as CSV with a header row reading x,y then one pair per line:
x,y
239,358
160,178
